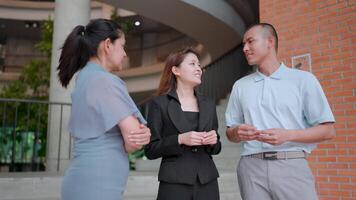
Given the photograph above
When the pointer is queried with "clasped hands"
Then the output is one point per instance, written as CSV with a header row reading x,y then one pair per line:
x,y
194,138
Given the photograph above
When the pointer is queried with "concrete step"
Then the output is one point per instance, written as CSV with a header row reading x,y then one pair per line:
x,y
141,185
229,151
147,165
223,196
222,164
225,101
35,199
144,186
226,143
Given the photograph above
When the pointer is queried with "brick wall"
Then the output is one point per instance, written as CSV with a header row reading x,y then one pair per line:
x,y
325,29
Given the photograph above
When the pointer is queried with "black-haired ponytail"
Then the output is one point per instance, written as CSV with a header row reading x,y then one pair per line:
x,y
74,55
81,44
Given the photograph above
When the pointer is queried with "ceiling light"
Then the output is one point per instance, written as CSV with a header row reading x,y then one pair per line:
x,y
137,23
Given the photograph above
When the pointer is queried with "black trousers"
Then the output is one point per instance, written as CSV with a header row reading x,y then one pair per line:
x,y
198,191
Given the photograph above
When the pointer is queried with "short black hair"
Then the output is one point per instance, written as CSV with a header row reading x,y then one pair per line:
x,y
270,29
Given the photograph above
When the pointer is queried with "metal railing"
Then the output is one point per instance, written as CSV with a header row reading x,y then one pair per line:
x,y
23,133
219,76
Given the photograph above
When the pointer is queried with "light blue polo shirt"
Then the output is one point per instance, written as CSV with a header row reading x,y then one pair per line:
x,y
288,99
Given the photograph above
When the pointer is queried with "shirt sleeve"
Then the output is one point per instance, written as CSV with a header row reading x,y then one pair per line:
x,y
316,108
109,99
233,114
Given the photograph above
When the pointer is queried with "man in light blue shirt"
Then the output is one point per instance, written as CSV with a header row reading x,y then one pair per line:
x,y
279,114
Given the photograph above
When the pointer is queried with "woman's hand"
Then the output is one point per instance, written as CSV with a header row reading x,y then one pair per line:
x,y
140,136
191,138
210,138
134,134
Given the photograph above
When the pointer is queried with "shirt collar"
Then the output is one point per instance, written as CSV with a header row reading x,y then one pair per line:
x,y
278,74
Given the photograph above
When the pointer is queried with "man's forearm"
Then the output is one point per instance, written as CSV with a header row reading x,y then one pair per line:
x,y
314,134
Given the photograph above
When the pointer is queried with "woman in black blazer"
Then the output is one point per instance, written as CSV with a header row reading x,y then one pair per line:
x,y
184,128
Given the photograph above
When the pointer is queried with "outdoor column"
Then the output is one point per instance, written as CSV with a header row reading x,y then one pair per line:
x,y
68,14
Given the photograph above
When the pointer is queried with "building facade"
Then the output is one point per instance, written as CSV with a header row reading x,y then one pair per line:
x,y
322,36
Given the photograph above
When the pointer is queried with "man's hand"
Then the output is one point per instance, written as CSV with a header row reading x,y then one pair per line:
x,y
242,132
274,136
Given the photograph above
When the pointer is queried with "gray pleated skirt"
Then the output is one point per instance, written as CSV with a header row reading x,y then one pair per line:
x,y
99,170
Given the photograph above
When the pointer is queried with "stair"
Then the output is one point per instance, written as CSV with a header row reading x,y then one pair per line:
x,y
140,186
144,186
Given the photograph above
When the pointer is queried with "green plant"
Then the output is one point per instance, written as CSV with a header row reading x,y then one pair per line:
x,y
45,45
134,156
126,24
33,82
24,126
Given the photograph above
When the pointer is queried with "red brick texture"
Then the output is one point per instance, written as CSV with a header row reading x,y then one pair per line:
x,y
327,30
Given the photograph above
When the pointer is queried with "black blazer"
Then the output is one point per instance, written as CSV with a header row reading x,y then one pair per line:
x,y
180,163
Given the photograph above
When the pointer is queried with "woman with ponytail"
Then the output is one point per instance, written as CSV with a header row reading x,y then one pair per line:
x,y
105,123
184,132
